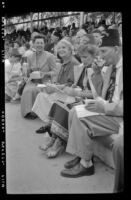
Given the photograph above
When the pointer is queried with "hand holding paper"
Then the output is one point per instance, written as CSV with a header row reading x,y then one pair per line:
x,y
95,106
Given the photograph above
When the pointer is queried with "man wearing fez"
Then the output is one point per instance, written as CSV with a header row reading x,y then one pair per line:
x,y
109,108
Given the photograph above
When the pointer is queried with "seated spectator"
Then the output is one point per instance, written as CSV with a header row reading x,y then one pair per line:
x,y
98,37
44,100
80,37
33,35
13,74
58,115
40,61
82,130
17,44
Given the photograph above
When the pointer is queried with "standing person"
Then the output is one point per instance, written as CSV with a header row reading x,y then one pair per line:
x,y
83,130
40,61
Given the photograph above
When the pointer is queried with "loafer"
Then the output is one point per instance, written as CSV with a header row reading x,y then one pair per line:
x,y
72,163
43,129
31,115
78,171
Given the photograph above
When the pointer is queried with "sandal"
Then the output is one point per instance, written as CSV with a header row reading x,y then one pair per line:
x,y
57,149
50,143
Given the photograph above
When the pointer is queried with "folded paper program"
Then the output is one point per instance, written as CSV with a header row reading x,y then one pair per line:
x,y
83,112
41,85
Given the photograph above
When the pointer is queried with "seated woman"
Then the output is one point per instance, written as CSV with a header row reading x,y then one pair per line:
x,y
41,61
65,78
13,74
57,125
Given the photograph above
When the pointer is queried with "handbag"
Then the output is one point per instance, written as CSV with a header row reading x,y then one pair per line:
x,y
21,87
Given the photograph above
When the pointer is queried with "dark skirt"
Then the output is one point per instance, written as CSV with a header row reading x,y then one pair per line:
x,y
58,119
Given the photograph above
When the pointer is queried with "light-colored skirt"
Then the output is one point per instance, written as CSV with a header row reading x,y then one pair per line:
x,y
43,105
44,102
28,98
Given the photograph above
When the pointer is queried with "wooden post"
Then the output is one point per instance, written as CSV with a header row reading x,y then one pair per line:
x,y
31,22
38,20
81,18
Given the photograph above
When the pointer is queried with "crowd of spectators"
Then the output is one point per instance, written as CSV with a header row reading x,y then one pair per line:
x,y
23,38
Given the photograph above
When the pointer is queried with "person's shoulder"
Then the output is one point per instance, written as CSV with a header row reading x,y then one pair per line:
x,y
28,53
79,66
48,54
31,55
75,61
7,62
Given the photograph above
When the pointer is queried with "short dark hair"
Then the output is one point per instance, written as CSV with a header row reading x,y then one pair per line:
x,y
27,45
40,36
90,48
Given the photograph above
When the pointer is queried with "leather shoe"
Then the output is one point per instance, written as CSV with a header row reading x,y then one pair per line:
x,y
31,115
43,129
72,163
78,171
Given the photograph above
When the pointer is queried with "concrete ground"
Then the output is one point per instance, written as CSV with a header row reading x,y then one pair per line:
x,y
30,172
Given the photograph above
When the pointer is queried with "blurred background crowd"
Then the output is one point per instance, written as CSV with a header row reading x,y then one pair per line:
x,y
19,35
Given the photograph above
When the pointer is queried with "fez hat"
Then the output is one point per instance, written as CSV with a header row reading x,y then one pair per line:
x,y
110,38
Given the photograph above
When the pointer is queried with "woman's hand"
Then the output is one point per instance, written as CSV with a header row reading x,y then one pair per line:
x,y
78,99
50,89
95,106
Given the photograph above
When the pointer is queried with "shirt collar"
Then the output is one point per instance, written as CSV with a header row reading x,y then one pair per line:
x,y
68,61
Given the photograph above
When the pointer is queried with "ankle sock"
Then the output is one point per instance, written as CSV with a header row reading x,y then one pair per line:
x,y
86,163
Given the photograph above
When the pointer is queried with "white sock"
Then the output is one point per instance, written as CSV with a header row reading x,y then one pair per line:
x,y
86,163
